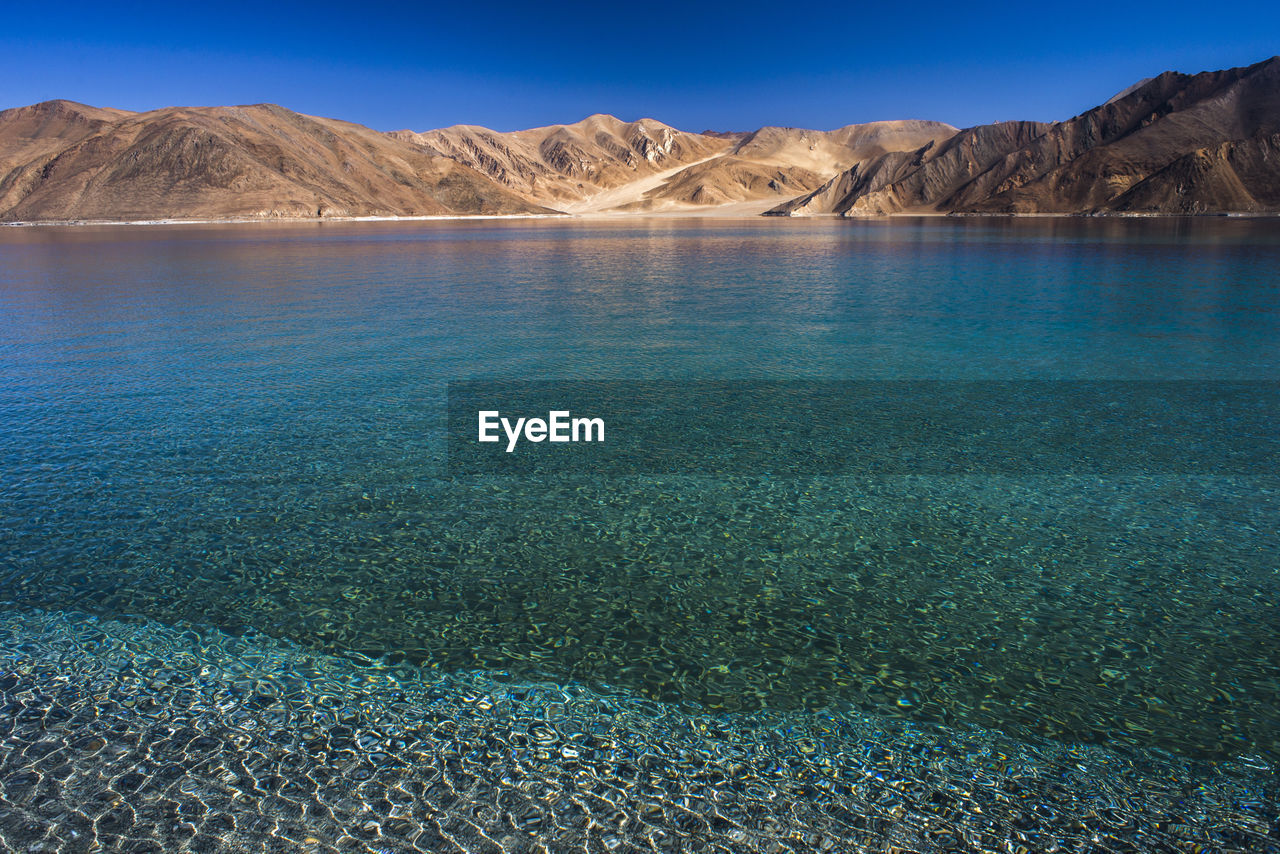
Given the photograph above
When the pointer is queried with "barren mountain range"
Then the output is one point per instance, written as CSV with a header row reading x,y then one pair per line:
x,y
1174,144
60,161
604,164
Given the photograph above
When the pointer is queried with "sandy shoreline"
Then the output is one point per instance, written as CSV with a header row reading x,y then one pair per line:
x,y
743,210
263,219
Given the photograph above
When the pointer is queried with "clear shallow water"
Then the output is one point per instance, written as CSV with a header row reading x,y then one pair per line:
x,y
236,432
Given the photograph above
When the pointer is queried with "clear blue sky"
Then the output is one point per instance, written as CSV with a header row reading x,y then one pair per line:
x,y
725,66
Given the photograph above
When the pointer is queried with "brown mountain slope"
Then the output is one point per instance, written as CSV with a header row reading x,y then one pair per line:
x,y
66,162
1233,176
818,149
1087,163
779,163
34,134
570,163
1175,144
43,128
605,164
911,180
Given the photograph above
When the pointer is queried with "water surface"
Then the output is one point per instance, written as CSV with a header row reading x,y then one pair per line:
x,y
237,432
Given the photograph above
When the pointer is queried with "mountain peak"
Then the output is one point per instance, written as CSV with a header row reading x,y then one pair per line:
x,y
1175,143
61,107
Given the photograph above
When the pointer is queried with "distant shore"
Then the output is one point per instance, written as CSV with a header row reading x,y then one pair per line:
x,y
266,219
616,216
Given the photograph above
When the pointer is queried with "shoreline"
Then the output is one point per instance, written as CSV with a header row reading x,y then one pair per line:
x,y
629,215
263,219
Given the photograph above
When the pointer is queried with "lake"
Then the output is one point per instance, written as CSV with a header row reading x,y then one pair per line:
x,y
250,601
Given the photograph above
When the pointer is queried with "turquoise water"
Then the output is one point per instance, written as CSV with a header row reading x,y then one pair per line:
x,y
246,602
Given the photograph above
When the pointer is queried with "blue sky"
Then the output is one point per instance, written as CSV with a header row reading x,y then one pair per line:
x,y
702,66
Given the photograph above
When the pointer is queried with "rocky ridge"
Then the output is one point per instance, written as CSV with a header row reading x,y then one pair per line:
x,y
1175,144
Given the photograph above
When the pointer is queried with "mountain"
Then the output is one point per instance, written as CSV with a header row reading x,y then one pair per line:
x,y
1172,144
777,162
1176,143
65,161
569,163
605,164
920,179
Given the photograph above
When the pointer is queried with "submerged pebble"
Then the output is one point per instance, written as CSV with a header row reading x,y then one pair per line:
x,y
443,773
